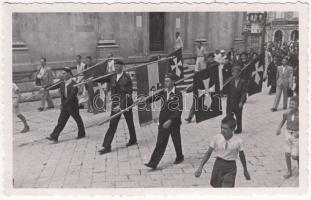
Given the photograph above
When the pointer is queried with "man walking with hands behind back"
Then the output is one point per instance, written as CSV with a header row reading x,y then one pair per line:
x,y
44,78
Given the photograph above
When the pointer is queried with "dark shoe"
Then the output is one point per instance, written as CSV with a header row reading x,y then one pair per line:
x,y
104,150
25,130
285,108
79,137
40,109
238,131
81,106
273,109
131,143
52,139
50,107
150,166
188,120
179,160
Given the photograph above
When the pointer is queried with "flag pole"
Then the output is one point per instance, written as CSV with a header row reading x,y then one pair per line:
x,y
130,69
137,102
60,81
229,79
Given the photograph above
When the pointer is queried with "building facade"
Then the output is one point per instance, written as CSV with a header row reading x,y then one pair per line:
x,y
61,36
282,27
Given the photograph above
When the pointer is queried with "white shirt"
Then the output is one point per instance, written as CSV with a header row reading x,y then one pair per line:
x,y
283,68
178,43
200,51
66,85
119,76
14,90
226,149
169,92
80,67
41,72
110,66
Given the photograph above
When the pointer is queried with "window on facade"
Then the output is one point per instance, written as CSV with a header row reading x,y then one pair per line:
x,y
294,36
279,15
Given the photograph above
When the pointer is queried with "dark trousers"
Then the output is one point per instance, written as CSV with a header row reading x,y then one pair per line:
x,y
235,110
272,89
62,121
162,140
114,125
224,173
90,93
192,111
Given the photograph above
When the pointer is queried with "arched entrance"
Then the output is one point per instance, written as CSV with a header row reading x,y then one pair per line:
x,y
294,36
278,36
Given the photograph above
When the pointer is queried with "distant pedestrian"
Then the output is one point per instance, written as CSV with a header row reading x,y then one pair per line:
x,y
271,72
82,92
291,118
178,42
221,59
284,78
16,98
89,87
227,148
200,51
44,78
69,107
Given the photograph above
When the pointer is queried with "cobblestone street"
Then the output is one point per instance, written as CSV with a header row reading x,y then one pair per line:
x,y
76,164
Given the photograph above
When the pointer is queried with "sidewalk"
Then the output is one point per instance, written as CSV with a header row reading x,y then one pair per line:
x,y
75,163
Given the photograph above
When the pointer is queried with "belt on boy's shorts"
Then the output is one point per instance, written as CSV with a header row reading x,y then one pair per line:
x,y
227,161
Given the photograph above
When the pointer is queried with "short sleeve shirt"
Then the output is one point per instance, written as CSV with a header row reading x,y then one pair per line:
x,y
226,149
292,120
14,90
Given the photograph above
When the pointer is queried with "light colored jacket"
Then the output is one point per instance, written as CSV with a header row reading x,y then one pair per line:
x,y
284,78
47,78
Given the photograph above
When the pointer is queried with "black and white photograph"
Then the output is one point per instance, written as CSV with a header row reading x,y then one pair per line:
x,y
156,98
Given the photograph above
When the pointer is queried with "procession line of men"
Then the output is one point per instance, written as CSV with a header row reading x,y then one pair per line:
x,y
225,145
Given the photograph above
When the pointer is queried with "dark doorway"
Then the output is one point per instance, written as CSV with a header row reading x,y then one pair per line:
x,y
278,36
295,35
156,31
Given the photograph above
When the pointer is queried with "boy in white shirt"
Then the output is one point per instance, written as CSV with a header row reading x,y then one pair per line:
x,y
227,148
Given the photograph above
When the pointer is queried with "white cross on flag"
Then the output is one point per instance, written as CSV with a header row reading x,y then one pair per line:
x,y
258,69
256,79
206,94
176,65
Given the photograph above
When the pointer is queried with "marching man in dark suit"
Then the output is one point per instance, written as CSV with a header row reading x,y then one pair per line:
x,y
69,107
169,122
236,97
121,98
